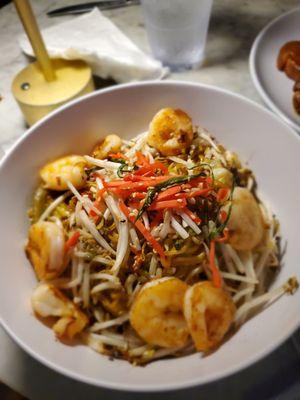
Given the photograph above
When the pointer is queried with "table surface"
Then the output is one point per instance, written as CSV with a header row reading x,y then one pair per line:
x,y
234,25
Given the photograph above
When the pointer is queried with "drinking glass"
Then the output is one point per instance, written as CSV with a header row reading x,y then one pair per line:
x,y
177,30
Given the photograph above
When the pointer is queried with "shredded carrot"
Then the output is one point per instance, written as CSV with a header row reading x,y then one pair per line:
x,y
135,250
139,195
118,156
196,193
138,178
136,186
161,205
100,193
192,215
223,215
141,160
152,168
72,241
99,205
157,219
201,179
224,238
134,204
216,277
222,194
147,235
120,192
166,194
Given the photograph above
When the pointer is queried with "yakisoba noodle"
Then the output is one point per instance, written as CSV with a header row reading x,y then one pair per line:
x,y
153,247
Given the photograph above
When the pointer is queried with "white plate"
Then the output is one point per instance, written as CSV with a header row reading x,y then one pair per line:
x,y
273,151
273,85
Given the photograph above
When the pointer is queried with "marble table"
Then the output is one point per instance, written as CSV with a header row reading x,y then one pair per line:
x,y
234,25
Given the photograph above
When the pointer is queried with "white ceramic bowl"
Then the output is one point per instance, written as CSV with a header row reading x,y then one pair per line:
x,y
273,151
274,87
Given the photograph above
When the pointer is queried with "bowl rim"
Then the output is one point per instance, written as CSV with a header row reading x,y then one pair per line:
x,y
254,74
163,387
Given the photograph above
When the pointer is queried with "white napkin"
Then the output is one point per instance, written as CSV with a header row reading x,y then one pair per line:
x,y
96,40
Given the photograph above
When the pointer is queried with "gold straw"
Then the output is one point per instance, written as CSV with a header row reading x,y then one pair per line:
x,y
30,25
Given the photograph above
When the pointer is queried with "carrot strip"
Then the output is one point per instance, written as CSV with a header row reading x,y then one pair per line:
x,y
100,193
72,241
152,168
200,179
118,156
216,277
196,193
168,193
138,178
141,160
224,238
222,194
223,216
136,186
134,203
147,235
134,250
139,195
99,204
193,216
160,205
121,192
157,219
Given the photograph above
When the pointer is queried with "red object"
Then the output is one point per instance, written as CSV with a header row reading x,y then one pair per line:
x,y
161,205
138,178
193,216
201,179
138,195
224,238
99,204
216,277
141,160
136,186
223,216
72,241
147,235
157,219
152,168
196,193
134,203
124,194
222,194
100,193
135,250
118,156
166,194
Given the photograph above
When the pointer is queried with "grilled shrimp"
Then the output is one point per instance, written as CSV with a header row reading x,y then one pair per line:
x,y
170,132
245,224
56,174
48,301
111,144
157,313
209,312
45,249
